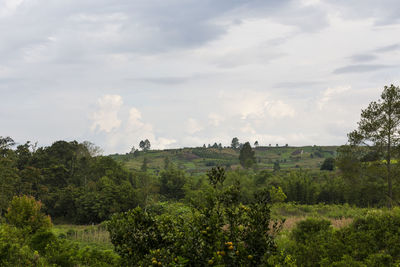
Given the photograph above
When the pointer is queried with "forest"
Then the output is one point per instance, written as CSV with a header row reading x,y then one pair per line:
x,y
242,205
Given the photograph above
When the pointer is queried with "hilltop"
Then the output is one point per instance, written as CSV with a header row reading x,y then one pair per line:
x,y
199,159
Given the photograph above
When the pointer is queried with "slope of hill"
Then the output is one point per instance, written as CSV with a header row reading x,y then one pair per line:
x,y
198,160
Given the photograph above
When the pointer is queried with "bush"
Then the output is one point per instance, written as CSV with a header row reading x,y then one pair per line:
x,y
24,212
222,231
371,240
315,241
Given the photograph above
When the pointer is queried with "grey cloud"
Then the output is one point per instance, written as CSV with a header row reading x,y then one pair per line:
x,y
360,68
388,48
297,84
163,80
384,12
363,57
81,27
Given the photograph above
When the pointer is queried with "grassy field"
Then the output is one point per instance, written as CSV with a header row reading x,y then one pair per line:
x,y
199,160
85,235
339,215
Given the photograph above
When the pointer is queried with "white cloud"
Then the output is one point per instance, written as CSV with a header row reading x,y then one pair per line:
x,y
278,109
215,119
8,7
253,104
193,126
122,134
330,93
163,143
106,117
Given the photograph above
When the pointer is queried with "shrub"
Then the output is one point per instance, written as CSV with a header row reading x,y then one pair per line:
x,y
371,240
24,212
222,231
315,242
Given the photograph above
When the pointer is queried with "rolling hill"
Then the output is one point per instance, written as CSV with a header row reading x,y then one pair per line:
x,y
199,159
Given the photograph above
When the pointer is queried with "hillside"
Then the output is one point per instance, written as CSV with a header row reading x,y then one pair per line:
x,y
197,160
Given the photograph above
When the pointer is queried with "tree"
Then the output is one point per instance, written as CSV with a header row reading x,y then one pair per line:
x,y
25,212
328,164
379,127
246,156
145,145
172,181
133,150
144,164
93,150
277,167
167,162
235,143
256,144
6,142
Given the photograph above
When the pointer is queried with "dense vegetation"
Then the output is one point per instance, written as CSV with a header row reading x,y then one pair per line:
x,y
176,208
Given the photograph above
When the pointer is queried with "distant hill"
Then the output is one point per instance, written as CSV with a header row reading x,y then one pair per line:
x,y
199,159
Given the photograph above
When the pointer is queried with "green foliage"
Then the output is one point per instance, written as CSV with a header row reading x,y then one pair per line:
x,y
246,157
172,181
328,164
222,231
277,166
235,143
25,213
13,249
379,125
277,194
145,145
370,240
28,240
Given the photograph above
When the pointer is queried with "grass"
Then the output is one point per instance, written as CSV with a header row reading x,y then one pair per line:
x,y
284,210
85,235
291,222
339,215
198,160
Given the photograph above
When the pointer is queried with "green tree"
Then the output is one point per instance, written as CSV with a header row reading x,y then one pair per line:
x,y
145,145
167,162
277,167
144,164
6,143
379,127
235,143
25,212
246,156
92,149
172,181
328,164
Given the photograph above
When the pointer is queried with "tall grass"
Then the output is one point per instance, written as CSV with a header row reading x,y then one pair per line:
x,y
85,235
284,210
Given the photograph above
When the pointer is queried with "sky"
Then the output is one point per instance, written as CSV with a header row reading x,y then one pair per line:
x,y
184,73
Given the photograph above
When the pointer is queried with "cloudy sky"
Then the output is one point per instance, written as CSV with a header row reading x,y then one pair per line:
x,y
189,72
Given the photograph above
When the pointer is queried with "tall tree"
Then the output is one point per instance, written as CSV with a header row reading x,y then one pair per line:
x,y
172,181
144,164
379,127
246,156
145,145
235,143
92,149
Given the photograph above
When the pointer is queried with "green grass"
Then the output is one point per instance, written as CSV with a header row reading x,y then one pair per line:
x,y
199,160
285,210
85,235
